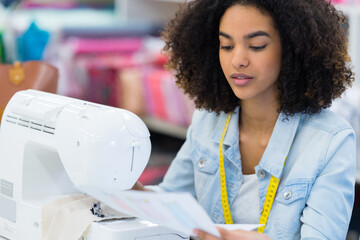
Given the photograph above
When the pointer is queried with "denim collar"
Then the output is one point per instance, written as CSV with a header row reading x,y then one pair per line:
x,y
232,133
279,144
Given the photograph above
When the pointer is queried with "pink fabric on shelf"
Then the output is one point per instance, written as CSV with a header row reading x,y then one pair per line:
x,y
82,45
164,99
173,112
59,5
148,95
159,101
98,66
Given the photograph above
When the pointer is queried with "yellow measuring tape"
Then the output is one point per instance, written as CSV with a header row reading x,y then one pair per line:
x,y
270,194
269,199
224,197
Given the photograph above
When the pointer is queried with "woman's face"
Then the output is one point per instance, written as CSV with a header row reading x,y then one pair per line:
x,y
250,53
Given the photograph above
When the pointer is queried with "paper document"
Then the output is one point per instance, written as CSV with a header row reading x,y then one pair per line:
x,y
178,211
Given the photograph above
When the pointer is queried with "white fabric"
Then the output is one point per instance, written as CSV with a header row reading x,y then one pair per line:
x,y
68,217
245,208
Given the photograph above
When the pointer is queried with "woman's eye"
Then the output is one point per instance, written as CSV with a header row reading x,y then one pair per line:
x,y
227,48
257,48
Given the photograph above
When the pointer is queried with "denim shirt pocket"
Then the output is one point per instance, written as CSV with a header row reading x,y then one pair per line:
x,y
288,205
205,166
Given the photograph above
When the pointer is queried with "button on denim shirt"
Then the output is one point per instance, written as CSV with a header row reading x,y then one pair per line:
x,y
315,196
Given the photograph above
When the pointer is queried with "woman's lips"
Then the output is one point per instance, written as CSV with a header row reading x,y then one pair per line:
x,y
240,79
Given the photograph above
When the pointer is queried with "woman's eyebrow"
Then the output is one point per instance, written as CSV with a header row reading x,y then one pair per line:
x,y
257,34
248,36
225,35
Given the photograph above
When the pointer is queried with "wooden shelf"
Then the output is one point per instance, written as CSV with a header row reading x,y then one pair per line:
x,y
164,127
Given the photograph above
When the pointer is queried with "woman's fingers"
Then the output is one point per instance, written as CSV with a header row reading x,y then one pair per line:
x,y
204,235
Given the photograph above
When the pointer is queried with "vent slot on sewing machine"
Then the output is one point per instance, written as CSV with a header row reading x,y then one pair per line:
x,y
30,124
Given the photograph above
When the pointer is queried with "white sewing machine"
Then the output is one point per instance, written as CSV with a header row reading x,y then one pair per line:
x,y
49,144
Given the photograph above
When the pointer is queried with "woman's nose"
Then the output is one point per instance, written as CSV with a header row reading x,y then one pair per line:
x,y
240,59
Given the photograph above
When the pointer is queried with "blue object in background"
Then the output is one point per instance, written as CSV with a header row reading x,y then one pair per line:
x,y
8,3
32,43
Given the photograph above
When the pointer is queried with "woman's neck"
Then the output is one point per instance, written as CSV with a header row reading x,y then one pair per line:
x,y
259,117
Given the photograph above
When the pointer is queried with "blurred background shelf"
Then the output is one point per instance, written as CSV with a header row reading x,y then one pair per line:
x,y
164,127
56,19
158,11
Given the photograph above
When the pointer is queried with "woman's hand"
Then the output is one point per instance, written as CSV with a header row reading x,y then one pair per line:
x,y
232,235
139,187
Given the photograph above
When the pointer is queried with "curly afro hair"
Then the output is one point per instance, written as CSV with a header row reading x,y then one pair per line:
x,y
315,63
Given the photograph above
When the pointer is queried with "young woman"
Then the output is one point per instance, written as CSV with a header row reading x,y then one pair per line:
x,y
262,73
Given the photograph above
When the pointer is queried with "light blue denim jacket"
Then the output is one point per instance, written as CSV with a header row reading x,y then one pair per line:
x,y
316,192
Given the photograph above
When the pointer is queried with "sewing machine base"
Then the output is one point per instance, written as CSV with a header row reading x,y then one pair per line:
x,y
131,229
